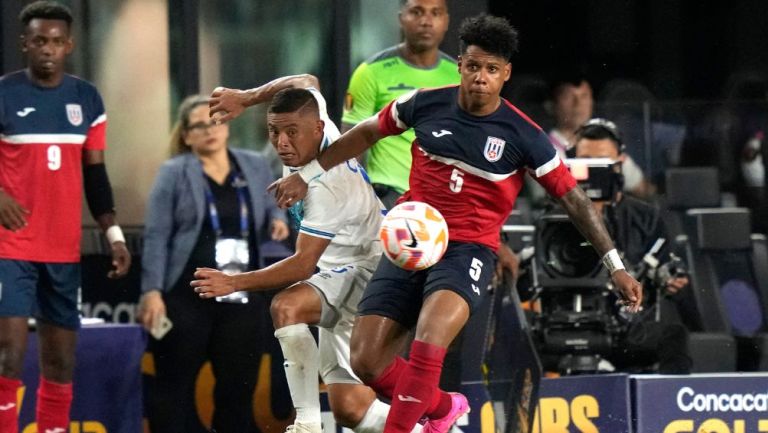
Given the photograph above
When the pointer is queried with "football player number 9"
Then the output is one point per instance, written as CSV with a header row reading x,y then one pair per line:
x,y
457,180
54,157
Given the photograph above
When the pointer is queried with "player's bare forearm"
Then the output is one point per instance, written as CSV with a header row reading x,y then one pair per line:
x,y
266,91
584,216
300,266
346,127
281,274
352,143
227,104
210,283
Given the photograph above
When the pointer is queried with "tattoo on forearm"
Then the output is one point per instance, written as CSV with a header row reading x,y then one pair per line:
x,y
584,216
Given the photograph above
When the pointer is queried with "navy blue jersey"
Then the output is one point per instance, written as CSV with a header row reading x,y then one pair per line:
x,y
43,132
471,168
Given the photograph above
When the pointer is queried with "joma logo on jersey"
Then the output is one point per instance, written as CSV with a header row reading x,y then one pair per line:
x,y
74,114
494,148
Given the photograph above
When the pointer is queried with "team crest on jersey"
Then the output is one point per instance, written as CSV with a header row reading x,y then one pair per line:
x,y
74,114
494,148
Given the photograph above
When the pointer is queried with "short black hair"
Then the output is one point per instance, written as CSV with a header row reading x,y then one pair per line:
x,y
293,99
493,34
47,10
559,84
600,129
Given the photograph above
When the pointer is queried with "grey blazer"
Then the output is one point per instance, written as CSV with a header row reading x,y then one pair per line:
x,y
176,210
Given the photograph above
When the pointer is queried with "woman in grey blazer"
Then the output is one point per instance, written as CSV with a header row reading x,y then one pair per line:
x,y
208,208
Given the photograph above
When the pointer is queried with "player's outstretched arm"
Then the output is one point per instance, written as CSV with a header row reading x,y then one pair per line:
x,y
227,104
352,143
98,194
210,283
590,224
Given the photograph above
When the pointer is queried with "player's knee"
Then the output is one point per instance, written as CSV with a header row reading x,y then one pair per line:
x,y
365,366
285,310
58,367
11,360
349,409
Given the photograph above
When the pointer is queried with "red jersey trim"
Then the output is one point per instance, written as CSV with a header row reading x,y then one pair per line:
x,y
387,123
493,177
558,181
97,136
43,139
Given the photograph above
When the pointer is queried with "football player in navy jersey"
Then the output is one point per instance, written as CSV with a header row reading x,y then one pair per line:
x,y
52,141
471,152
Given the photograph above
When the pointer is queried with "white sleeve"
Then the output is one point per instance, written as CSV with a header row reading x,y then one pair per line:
x,y
324,213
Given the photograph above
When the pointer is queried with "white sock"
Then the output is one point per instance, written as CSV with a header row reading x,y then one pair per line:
x,y
302,362
375,418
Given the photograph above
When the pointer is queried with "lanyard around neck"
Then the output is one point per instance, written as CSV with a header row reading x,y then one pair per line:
x,y
236,180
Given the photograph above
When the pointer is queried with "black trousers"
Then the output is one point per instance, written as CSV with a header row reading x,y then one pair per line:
x,y
649,342
233,337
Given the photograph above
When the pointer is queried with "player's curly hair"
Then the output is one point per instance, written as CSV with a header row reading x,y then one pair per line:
x,y
47,10
493,34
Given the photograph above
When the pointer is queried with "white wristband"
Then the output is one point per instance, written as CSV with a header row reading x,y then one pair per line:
x,y
612,261
311,171
115,234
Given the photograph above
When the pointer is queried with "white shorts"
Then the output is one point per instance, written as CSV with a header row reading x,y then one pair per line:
x,y
340,290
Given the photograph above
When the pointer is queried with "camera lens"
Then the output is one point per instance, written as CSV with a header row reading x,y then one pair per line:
x,y
566,252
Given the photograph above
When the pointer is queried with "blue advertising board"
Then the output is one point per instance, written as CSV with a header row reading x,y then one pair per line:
x,y
721,403
107,382
582,404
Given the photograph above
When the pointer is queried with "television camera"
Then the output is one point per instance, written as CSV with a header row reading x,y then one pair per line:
x,y
578,322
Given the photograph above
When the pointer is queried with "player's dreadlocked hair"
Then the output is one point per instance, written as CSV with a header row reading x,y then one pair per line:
x,y
493,34
293,99
47,10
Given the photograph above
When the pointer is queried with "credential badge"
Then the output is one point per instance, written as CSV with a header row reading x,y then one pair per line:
x,y
494,148
74,114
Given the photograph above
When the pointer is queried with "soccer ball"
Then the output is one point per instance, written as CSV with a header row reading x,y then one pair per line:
x,y
414,235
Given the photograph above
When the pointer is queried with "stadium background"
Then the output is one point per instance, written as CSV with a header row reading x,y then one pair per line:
x,y
145,55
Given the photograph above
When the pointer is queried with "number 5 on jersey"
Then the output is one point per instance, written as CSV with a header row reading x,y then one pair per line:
x,y
457,180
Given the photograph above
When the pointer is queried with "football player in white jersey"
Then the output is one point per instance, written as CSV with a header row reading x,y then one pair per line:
x,y
336,252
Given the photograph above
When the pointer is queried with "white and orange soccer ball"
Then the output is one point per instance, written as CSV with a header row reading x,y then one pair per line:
x,y
414,235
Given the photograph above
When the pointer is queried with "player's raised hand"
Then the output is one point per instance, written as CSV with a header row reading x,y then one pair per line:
x,y
210,283
226,104
13,216
629,290
288,190
121,260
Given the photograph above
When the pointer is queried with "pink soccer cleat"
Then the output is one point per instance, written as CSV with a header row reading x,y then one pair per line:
x,y
459,407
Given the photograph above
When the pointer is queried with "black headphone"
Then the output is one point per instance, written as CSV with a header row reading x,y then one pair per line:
x,y
599,123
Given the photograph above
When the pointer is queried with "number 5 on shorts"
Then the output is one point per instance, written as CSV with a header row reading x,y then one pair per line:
x,y
475,268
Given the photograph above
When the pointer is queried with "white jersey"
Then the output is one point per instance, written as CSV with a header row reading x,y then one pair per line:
x,y
341,206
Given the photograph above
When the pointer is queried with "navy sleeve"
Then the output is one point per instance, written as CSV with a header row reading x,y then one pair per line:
x,y
540,155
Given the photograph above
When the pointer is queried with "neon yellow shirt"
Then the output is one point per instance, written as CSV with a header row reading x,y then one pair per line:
x,y
375,83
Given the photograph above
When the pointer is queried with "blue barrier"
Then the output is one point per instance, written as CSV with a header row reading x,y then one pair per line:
x,y
107,382
711,403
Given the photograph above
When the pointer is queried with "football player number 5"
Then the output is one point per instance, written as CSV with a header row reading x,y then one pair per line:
x,y
475,269
457,180
54,157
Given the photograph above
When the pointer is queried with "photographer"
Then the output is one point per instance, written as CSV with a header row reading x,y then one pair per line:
x,y
655,335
